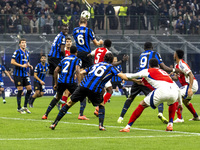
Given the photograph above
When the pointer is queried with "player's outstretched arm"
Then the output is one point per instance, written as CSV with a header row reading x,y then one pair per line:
x,y
97,43
125,58
168,69
6,72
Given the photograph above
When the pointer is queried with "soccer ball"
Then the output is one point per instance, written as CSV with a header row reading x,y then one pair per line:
x,y
85,14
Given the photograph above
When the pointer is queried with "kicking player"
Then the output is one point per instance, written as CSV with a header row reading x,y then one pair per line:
x,y
165,91
20,59
39,82
92,86
136,89
68,67
189,86
3,69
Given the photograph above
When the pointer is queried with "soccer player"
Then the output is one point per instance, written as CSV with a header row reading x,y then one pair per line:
x,y
68,67
57,52
136,89
20,59
189,86
117,81
39,82
82,36
91,86
3,69
165,91
67,46
99,54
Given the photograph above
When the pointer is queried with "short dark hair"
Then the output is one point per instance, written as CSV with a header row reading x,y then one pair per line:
x,y
23,39
43,55
82,20
65,25
68,39
180,53
153,62
107,43
109,58
73,49
148,45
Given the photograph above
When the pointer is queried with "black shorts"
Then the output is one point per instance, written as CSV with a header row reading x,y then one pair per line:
x,y
53,63
136,89
81,92
38,86
115,84
22,81
86,61
63,86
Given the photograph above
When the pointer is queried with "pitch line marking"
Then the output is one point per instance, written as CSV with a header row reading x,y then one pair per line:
x,y
90,138
86,124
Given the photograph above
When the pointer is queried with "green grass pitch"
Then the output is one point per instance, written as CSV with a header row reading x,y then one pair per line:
x,y
30,132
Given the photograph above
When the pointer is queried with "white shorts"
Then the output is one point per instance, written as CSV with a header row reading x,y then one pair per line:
x,y
184,90
108,84
167,94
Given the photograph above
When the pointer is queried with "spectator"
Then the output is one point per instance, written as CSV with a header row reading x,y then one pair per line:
x,y
110,12
46,9
42,23
29,14
8,9
59,8
133,18
58,24
150,14
188,7
67,6
76,16
76,3
174,19
141,12
34,25
195,25
172,9
187,21
92,15
14,9
180,25
49,24
2,22
42,2
100,20
123,10
12,24
196,6
71,10
26,24
19,24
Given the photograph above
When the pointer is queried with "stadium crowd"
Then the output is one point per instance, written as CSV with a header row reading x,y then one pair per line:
x,y
45,16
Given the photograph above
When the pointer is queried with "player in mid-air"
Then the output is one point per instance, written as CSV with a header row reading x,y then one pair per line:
x,y
68,67
39,82
165,91
189,86
3,69
136,89
91,86
20,59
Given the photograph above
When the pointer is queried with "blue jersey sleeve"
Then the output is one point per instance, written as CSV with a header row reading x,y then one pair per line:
x,y
91,34
3,68
115,71
36,68
158,57
79,63
15,54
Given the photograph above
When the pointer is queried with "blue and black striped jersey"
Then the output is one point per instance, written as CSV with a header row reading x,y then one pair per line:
x,y
68,68
56,46
20,57
82,36
2,68
41,71
146,56
98,75
116,78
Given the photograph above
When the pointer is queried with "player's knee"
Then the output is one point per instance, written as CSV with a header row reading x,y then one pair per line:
x,y
186,102
143,104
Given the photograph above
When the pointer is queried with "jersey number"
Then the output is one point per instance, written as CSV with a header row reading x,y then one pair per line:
x,y
99,71
163,72
143,62
97,58
65,70
80,39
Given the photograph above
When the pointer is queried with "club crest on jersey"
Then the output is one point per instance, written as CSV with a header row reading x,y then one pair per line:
x,y
19,83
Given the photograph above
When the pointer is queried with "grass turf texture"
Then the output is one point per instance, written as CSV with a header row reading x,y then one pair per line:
x,y
29,131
